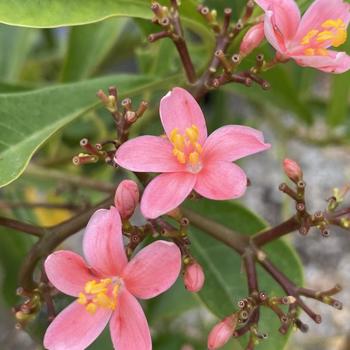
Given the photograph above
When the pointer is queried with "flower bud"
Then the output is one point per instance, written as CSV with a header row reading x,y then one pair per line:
x,y
292,170
222,332
252,39
194,277
126,198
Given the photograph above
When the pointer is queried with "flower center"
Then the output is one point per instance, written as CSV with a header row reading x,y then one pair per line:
x,y
103,293
333,32
187,149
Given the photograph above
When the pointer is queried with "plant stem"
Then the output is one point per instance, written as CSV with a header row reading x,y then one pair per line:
x,y
181,45
272,234
23,227
72,179
250,268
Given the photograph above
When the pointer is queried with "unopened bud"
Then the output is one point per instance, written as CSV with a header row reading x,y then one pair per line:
x,y
252,39
194,277
126,198
222,332
292,170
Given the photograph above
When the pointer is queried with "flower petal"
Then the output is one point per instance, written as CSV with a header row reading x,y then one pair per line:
x,y
286,14
75,328
166,192
148,154
179,109
273,36
161,259
321,11
68,272
128,326
221,180
232,142
103,242
335,62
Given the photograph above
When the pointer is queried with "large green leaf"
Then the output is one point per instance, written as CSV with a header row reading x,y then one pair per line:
x,y
88,45
15,45
225,283
29,119
58,13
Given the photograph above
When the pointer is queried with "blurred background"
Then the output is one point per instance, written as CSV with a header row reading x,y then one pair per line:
x,y
305,116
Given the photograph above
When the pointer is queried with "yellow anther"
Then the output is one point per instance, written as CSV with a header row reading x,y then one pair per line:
x,y
193,158
331,23
340,37
92,287
307,38
180,156
324,36
178,142
103,300
192,134
82,299
91,308
322,52
173,133
198,147
309,52
115,290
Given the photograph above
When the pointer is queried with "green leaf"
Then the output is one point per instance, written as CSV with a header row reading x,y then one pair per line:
x,y
29,119
58,13
225,283
15,45
339,97
13,247
88,45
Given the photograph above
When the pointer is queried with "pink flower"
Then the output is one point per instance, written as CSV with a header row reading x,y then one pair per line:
x,y
307,40
194,277
188,158
222,332
126,198
292,170
252,39
106,286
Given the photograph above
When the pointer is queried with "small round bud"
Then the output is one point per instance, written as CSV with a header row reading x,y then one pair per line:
x,y
194,277
126,198
222,332
292,170
252,39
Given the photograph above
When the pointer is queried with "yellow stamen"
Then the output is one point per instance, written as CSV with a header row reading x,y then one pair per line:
x,y
322,52
335,33
180,156
192,133
91,308
194,158
309,52
307,38
82,299
98,294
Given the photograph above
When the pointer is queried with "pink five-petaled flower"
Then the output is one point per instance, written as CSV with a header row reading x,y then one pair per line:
x,y
106,287
307,39
188,158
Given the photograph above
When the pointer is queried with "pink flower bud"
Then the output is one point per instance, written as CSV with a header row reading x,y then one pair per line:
x,y
292,170
194,277
222,332
252,39
126,198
